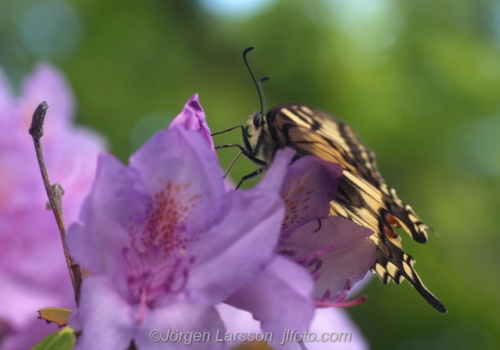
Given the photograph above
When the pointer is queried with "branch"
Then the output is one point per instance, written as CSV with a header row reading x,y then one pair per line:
x,y
54,193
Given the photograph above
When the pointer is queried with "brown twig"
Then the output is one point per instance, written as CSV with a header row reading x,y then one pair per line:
x,y
54,193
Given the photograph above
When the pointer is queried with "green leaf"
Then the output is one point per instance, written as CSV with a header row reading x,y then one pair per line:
x,y
62,340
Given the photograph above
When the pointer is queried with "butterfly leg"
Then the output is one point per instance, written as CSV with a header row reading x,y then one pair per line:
x,y
227,130
245,153
244,133
249,176
231,164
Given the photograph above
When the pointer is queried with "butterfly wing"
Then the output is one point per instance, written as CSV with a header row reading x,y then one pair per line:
x,y
363,195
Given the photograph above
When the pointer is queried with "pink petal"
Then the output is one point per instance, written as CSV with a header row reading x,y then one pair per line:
x,y
239,246
32,332
187,317
309,186
338,269
5,96
28,232
181,159
193,118
117,204
279,297
48,84
106,319
333,322
275,175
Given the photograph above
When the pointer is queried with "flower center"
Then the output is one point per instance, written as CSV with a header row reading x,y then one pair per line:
x,y
157,259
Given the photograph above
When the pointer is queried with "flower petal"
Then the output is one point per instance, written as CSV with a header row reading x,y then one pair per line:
x,y
279,297
338,329
273,179
27,337
238,246
118,202
22,296
181,159
337,269
333,322
106,320
5,96
193,118
360,285
75,169
237,320
177,323
48,84
32,266
309,186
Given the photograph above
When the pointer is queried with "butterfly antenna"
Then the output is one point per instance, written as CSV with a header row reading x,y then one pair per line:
x,y
259,89
261,93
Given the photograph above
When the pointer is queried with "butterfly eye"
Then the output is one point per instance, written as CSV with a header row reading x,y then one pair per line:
x,y
257,119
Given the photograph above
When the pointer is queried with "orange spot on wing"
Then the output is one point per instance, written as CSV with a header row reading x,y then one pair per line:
x,y
389,233
392,220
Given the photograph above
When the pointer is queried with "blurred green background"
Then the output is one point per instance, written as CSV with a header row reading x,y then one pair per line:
x,y
419,80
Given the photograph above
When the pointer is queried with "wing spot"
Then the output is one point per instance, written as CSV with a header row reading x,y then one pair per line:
x,y
392,269
380,270
408,269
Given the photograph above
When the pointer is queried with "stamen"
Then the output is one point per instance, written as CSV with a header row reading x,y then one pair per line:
x,y
336,299
325,250
318,264
287,252
183,278
341,304
142,305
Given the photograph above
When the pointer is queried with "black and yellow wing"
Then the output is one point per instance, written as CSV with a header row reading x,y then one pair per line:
x,y
363,195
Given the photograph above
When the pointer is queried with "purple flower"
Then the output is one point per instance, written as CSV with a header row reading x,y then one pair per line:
x,y
319,255
193,118
33,272
334,251
332,323
337,252
165,241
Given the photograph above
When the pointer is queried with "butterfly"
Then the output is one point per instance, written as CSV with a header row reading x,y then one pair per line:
x,y
363,195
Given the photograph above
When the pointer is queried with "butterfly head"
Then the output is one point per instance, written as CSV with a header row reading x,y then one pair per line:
x,y
257,119
255,123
